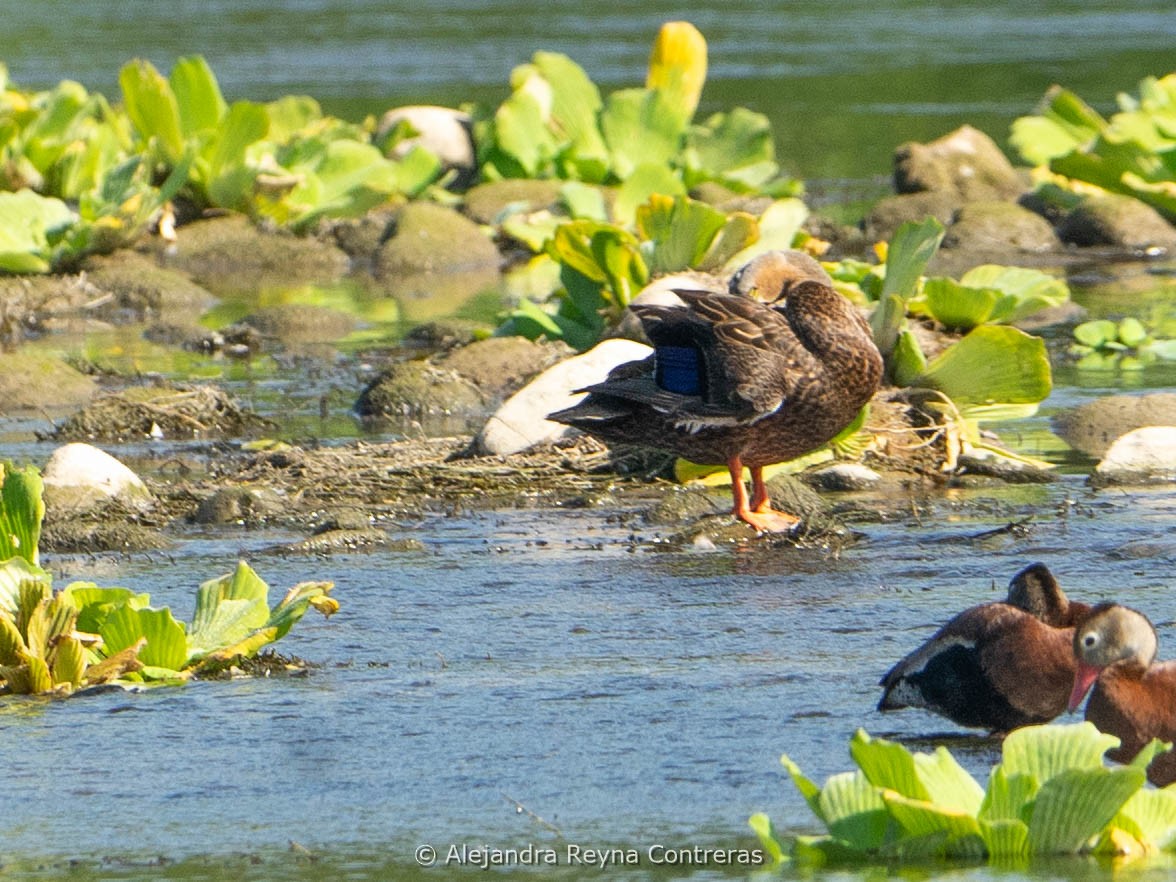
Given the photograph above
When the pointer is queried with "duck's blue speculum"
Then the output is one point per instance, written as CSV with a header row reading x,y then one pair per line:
x,y
678,369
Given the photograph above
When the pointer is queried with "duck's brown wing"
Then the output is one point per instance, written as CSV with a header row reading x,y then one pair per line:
x,y
752,359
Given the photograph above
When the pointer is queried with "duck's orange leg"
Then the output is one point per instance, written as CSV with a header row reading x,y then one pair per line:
x,y
759,513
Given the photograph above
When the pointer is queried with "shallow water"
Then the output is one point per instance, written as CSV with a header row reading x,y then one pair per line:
x,y
533,670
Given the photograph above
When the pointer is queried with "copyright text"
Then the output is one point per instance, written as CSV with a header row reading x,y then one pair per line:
x,y
573,855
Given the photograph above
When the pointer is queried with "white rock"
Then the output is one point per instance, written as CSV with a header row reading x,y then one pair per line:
x,y
521,421
1140,455
79,476
443,131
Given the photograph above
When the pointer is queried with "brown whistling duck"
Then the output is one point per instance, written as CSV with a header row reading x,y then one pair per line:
x,y
1133,697
996,666
762,374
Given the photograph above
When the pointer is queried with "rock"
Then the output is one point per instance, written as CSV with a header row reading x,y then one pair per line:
x,y
230,255
301,323
500,366
444,132
1093,426
485,203
80,476
361,237
521,421
1139,457
417,388
143,289
966,163
239,505
343,541
431,238
1004,468
844,476
33,382
1119,221
892,212
987,227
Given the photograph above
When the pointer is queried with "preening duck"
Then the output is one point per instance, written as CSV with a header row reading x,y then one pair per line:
x,y
996,666
761,374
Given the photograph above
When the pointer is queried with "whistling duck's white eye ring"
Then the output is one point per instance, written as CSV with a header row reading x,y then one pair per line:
x,y
1090,640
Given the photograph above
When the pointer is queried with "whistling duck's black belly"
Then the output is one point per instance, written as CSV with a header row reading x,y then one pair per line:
x,y
953,684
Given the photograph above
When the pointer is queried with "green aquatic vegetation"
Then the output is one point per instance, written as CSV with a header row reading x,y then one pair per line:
x,y
1133,152
1051,794
84,635
556,124
1127,344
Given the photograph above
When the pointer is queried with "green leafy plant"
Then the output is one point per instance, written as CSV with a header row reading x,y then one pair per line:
x,y
1127,344
1051,794
557,124
1133,152
83,635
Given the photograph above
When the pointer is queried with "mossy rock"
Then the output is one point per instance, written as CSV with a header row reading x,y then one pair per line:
x,y
301,323
229,254
1119,221
486,202
30,381
965,162
431,238
141,288
417,388
890,213
988,227
502,365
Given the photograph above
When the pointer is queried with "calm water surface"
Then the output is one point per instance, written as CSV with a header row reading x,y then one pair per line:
x,y
536,676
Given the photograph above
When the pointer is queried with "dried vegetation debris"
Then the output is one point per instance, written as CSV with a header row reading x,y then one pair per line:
x,y
162,412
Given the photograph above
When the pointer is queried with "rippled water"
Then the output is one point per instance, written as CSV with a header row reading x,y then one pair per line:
x,y
541,671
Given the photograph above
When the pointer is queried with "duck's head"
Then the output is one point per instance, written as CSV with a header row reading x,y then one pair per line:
x,y
1036,591
1110,634
770,276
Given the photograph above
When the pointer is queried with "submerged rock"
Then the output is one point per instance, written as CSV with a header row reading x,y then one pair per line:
x,y
486,202
80,476
141,289
500,366
1141,456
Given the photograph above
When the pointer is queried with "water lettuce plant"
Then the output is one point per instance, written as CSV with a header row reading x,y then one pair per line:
x,y
1102,344
1051,794
556,124
1133,152
83,635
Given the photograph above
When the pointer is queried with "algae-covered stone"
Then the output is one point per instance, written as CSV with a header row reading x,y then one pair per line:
x,y
988,227
433,238
1092,427
417,388
30,381
500,365
1119,221
239,505
229,254
888,214
485,203
965,162
141,288
301,323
